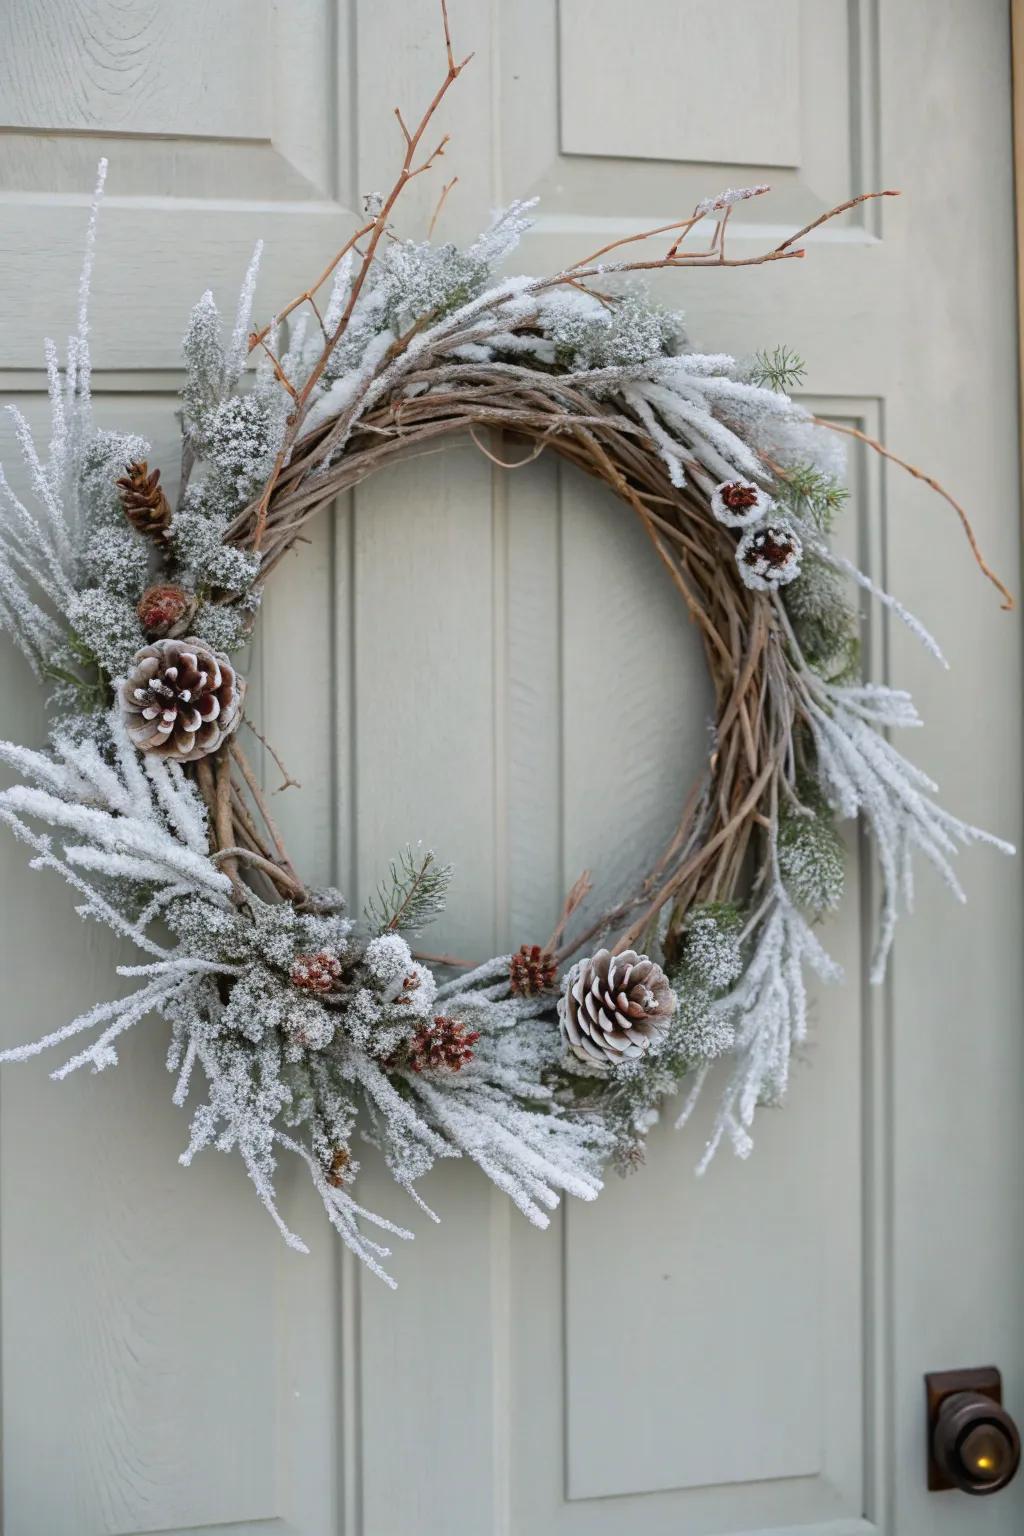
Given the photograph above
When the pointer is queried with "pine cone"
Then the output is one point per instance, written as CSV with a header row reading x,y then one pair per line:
x,y
142,497
740,503
339,1170
532,971
769,556
444,1045
166,609
316,973
181,699
615,1007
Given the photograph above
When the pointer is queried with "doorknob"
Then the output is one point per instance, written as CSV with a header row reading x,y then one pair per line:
x,y
973,1443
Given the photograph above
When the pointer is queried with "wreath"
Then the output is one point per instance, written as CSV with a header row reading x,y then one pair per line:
x,y
309,1026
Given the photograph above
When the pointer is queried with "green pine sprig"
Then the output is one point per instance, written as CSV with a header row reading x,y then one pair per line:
x,y
812,495
780,369
412,895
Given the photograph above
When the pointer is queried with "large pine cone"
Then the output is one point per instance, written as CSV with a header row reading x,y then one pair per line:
x,y
615,1007
181,699
142,497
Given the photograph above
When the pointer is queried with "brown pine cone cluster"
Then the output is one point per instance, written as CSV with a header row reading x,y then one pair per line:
x,y
444,1045
615,1007
338,1171
317,973
532,971
181,700
142,496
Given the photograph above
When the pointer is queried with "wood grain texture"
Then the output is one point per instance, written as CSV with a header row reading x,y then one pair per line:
x,y
176,67
684,80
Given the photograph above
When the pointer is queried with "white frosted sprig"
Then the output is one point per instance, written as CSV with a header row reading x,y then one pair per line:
x,y
862,773
769,1008
238,347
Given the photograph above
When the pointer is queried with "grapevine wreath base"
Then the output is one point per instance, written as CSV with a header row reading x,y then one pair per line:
x,y
305,1025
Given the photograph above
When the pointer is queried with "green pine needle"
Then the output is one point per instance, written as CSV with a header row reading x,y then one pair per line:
x,y
412,895
780,369
812,496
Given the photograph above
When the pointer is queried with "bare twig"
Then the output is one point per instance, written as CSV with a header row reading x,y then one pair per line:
x,y
279,373
453,960
929,480
229,856
575,899
374,231
288,782
440,204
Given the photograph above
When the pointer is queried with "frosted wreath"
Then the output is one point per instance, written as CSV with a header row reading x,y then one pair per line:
x,y
307,1027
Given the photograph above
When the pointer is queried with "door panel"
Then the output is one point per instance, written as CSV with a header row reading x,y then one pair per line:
x,y
736,1354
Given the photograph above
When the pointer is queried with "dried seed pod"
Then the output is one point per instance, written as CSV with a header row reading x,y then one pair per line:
x,y
166,610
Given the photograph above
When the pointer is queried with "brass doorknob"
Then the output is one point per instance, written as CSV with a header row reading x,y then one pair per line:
x,y
974,1444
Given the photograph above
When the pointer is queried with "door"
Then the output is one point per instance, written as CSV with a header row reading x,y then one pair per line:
x,y
743,1353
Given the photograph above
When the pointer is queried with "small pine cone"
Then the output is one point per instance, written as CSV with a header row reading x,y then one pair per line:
x,y
615,1007
769,556
316,973
181,700
444,1045
166,610
532,971
740,503
338,1170
142,497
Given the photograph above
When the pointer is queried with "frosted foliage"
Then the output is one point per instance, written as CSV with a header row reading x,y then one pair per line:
x,y
388,958
811,859
768,1009
587,334
119,558
242,443
197,537
711,948
108,625
507,228
861,772
224,626
824,623
204,371
706,1029
426,280
104,459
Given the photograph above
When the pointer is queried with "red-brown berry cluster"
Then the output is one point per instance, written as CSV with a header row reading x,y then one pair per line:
x,y
316,973
532,970
444,1045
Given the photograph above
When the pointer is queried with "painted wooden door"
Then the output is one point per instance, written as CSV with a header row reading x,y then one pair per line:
x,y
738,1354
